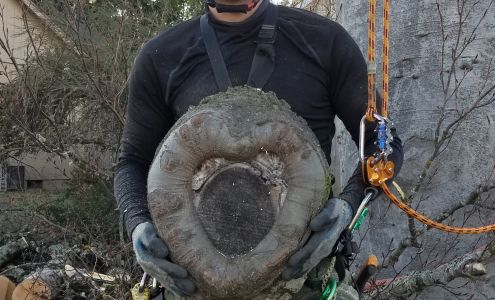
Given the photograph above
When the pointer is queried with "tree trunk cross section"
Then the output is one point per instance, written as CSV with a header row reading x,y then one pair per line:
x,y
236,210
232,190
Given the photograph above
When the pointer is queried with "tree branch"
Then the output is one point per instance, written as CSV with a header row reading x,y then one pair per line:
x,y
416,282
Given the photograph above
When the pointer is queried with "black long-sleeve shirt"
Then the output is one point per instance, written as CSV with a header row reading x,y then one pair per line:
x,y
319,71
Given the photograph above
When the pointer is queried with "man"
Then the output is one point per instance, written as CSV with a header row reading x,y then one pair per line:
x,y
317,68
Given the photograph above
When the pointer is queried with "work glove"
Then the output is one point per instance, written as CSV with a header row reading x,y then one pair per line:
x,y
151,254
326,229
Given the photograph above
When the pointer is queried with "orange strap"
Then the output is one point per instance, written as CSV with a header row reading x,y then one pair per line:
x,y
378,174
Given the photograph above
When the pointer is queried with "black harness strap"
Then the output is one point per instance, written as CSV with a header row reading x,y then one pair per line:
x,y
264,57
215,55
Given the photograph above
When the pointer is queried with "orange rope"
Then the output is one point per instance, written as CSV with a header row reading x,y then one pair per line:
x,y
371,61
379,175
386,29
429,222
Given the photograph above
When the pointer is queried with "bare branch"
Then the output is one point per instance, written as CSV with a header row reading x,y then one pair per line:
x,y
417,281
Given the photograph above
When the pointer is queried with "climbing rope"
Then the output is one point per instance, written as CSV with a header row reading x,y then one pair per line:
x,y
429,222
370,112
377,169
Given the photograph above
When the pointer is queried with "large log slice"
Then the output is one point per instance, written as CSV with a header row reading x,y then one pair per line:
x,y
232,189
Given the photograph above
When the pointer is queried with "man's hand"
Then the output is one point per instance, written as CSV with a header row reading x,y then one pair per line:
x,y
151,253
327,227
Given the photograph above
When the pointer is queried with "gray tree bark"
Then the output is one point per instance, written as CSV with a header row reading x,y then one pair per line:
x,y
442,101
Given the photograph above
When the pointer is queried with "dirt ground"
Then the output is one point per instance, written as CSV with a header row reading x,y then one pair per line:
x,y
57,239
54,241
16,209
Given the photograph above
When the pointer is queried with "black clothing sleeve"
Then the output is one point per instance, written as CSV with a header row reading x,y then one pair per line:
x,y
130,193
148,119
350,99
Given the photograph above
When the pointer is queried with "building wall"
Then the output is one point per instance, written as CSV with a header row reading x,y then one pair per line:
x,y
42,168
13,32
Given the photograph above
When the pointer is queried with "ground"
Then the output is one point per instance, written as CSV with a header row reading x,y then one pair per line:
x,y
57,238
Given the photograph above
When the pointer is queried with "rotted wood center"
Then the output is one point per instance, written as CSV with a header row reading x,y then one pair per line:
x,y
236,207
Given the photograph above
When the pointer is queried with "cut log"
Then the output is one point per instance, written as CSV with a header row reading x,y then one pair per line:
x,y
32,290
44,284
232,189
6,288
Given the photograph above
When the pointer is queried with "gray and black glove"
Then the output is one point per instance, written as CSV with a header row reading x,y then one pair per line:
x,y
327,227
151,254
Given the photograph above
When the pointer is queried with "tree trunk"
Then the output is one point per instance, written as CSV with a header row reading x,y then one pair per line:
x,y
232,190
442,92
